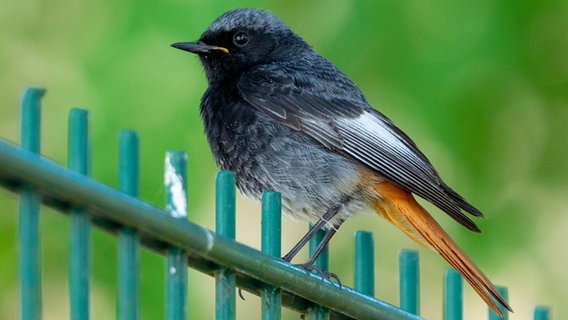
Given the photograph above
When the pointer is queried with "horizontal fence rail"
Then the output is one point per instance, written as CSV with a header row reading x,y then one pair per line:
x,y
167,231
207,251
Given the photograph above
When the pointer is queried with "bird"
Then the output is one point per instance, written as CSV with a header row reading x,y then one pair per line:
x,y
284,118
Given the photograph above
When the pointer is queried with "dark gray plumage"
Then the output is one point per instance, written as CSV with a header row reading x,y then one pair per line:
x,y
278,98
284,118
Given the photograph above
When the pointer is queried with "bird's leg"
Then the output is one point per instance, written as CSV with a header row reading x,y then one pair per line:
x,y
309,265
315,228
324,241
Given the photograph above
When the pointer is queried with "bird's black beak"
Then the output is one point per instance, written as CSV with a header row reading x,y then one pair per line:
x,y
198,47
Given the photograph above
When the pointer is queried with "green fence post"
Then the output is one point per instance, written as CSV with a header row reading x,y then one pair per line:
x,y
176,205
79,266
317,312
492,315
541,313
364,275
128,239
225,281
28,226
453,296
271,299
409,281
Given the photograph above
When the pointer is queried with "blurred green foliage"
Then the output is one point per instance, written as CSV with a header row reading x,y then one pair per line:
x,y
482,87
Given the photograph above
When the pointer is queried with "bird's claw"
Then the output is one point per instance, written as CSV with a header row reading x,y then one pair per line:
x,y
323,274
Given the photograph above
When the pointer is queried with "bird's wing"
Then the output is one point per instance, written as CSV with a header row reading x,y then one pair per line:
x,y
352,127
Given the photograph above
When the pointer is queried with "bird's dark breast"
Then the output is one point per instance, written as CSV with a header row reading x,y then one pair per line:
x,y
266,155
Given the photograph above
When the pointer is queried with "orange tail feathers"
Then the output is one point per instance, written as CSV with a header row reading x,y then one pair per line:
x,y
399,207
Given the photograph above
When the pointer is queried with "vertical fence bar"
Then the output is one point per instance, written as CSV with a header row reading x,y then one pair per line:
x,y
453,295
79,266
541,313
225,282
409,281
28,227
364,280
492,315
176,265
317,312
271,300
128,240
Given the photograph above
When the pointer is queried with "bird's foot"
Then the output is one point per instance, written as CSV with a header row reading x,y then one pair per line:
x,y
309,267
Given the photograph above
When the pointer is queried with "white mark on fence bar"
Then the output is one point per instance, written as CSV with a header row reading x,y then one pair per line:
x,y
210,239
173,270
177,206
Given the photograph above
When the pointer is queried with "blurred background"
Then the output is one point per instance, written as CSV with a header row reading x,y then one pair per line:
x,y
482,88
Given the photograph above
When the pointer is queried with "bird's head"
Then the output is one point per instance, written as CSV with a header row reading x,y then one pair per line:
x,y
240,39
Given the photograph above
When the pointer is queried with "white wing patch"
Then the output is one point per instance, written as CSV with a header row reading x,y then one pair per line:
x,y
371,141
367,135
369,126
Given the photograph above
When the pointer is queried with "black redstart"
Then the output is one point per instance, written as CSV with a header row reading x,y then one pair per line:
x,y
283,118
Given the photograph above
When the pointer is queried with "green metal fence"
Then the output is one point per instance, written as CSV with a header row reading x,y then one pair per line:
x,y
135,223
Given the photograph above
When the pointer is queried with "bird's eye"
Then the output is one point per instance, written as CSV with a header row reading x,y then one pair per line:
x,y
240,38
